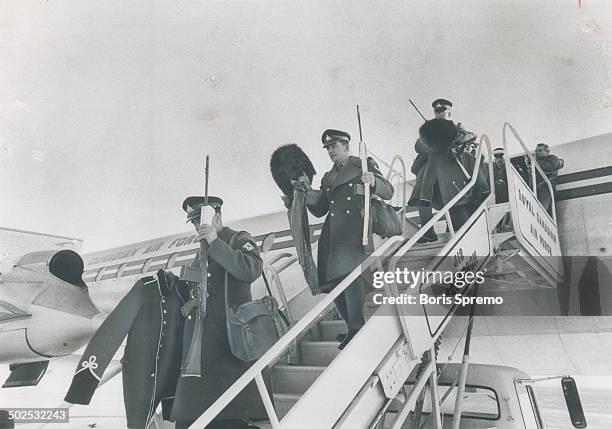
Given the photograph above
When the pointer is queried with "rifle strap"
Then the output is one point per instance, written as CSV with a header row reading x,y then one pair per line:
x,y
265,279
280,312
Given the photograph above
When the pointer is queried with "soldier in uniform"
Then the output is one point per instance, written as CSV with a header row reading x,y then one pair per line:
x,y
500,176
220,368
340,247
551,164
443,167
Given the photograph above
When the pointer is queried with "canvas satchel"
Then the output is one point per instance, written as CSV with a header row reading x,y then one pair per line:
x,y
254,326
385,221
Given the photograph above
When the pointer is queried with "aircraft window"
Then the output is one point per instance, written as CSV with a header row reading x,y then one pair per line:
x,y
121,269
147,265
171,260
99,275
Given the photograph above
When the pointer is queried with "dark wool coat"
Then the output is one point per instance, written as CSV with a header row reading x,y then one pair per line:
x,y
551,165
220,368
150,316
340,247
443,174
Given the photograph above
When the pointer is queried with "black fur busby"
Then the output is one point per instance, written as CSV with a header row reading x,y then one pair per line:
x,y
288,162
438,134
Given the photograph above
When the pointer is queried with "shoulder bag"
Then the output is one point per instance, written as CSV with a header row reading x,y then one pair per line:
x,y
254,326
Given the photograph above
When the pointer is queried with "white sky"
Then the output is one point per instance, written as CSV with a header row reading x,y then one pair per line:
x,y
107,108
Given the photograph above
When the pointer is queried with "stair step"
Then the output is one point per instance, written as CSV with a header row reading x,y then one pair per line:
x,y
330,329
318,353
427,249
294,379
283,403
332,314
413,264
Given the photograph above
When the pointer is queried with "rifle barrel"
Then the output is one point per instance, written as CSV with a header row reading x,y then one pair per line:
x,y
359,122
206,182
417,109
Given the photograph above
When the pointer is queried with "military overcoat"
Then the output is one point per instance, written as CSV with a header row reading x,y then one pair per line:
x,y
340,247
443,175
220,368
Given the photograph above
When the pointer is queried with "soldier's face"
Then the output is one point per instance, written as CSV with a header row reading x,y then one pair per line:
x,y
338,152
211,216
442,112
541,152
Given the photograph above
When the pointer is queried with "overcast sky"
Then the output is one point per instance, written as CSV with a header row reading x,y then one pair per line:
x,y
107,108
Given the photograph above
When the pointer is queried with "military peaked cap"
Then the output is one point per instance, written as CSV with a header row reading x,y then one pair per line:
x,y
193,205
441,102
330,137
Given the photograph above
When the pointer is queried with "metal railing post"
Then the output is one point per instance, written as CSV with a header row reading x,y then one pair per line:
x,y
435,393
449,221
403,175
265,396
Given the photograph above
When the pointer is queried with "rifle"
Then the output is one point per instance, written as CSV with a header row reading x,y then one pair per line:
x,y
418,111
192,365
363,154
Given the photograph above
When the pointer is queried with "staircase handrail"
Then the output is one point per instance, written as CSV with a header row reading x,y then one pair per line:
x,y
278,257
534,166
385,163
402,174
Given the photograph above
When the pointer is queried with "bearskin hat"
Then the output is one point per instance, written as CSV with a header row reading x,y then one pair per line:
x,y
438,134
288,162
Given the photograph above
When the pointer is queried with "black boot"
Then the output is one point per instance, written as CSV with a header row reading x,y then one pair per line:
x,y
349,336
425,215
429,237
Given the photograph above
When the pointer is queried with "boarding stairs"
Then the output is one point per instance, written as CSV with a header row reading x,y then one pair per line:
x,y
527,249
315,385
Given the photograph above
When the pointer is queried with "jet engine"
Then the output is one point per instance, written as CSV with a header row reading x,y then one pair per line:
x,y
45,308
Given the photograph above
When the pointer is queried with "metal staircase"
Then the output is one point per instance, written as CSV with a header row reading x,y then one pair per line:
x,y
527,251
365,385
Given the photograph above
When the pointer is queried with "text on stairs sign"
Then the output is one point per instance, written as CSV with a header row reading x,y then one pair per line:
x,y
534,227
